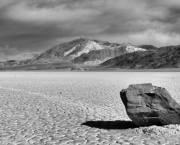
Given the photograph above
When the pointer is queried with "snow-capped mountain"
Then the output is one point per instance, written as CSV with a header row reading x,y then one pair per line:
x,y
89,46
130,48
86,51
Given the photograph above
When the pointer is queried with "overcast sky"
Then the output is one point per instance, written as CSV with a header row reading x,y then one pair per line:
x,y
38,25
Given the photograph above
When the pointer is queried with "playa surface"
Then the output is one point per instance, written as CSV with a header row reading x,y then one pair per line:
x,y
81,108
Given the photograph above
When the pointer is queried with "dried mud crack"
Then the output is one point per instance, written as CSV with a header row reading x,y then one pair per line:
x,y
38,110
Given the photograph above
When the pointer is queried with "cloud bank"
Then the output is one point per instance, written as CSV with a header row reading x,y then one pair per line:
x,y
38,25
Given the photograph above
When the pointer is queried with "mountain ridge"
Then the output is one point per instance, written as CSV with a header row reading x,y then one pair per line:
x,y
76,50
164,57
103,54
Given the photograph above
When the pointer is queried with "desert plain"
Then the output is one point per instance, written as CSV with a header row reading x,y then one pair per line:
x,y
78,108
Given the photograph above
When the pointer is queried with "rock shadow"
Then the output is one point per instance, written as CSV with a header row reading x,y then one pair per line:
x,y
118,124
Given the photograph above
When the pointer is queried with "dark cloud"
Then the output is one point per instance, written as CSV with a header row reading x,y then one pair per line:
x,y
6,52
38,25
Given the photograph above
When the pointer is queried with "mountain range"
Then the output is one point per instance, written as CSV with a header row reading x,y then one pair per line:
x,y
86,53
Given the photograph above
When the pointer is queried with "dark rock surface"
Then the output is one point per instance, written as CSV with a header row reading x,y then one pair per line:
x,y
150,105
164,57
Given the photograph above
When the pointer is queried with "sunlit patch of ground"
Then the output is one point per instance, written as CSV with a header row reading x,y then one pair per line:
x,y
59,108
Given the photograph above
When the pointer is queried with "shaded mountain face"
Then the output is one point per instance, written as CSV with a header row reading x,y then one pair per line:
x,y
88,52
164,57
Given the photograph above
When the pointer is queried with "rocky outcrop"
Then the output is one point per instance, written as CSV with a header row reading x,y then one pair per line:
x,y
150,105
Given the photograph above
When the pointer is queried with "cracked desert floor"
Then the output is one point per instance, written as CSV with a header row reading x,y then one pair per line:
x,y
78,108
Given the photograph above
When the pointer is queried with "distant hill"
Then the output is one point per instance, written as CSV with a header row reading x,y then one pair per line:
x,y
25,56
78,52
85,50
164,57
88,52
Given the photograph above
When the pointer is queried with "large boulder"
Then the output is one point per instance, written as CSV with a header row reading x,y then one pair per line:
x,y
150,105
